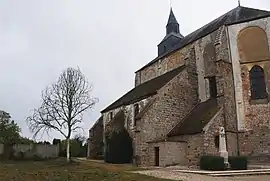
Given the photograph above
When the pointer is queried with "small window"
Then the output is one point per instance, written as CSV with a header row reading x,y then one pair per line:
x,y
136,111
213,87
257,83
217,141
111,115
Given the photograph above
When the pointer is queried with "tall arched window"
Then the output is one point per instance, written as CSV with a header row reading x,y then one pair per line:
x,y
257,83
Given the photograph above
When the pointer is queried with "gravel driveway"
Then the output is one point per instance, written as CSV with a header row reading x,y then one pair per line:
x,y
173,175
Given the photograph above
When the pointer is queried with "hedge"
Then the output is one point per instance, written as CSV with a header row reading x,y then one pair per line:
x,y
119,148
238,162
213,163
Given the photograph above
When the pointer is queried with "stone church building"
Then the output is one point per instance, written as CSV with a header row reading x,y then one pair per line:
x,y
218,75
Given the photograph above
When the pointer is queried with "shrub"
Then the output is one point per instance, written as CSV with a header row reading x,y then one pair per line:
x,y
238,162
214,163
119,148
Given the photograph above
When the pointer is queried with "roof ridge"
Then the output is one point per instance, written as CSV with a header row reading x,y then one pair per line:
x,y
254,9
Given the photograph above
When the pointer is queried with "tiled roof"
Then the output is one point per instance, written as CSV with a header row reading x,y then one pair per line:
x,y
237,15
145,89
196,120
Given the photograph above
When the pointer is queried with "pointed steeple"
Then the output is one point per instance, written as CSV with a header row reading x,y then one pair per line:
x,y
172,25
173,35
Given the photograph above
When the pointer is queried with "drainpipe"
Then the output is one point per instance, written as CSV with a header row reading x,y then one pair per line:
x,y
237,132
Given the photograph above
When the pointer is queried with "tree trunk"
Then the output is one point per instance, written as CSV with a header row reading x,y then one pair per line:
x,y
68,147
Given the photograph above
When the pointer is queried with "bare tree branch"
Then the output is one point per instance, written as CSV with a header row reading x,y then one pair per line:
x,y
63,104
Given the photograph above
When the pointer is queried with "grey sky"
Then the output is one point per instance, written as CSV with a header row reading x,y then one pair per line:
x,y
109,40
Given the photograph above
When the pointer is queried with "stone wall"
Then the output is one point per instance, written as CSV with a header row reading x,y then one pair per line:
x,y
226,98
237,44
252,115
211,131
255,142
171,153
41,150
162,66
172,103
194,148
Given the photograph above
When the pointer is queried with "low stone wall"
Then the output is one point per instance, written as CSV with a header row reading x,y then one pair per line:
x,y
170,153
41,150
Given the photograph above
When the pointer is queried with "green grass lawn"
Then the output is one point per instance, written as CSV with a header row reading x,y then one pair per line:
x,y
58,170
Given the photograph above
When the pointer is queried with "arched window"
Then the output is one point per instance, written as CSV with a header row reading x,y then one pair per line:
x,y
257,83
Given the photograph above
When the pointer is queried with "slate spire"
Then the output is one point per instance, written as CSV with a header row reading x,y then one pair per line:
x,y
172,25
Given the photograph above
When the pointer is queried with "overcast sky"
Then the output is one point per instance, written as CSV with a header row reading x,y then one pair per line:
x,y
108,39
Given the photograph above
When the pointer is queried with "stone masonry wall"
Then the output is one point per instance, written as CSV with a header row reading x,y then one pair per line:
x,y
257,117
30,150
211,131
253,116
172,103
241,54
226,98
194,148
162,66
171,153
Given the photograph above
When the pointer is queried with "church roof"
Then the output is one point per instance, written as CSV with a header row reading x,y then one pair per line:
x,y
145,89
178,35
172,18
239,14
196,120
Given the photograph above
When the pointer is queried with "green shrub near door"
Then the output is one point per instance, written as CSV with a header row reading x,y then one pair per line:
x,y
214,163
238,162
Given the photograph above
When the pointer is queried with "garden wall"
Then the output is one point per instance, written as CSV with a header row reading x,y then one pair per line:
x,y
41,150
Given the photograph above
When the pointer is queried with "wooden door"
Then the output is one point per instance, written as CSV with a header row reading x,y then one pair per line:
x,y
156,156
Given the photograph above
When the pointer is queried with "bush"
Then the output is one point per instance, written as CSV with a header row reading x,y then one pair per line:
x,y
238,162
214,163
119,148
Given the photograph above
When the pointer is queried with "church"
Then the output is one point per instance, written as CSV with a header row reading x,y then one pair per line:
x,y
218,75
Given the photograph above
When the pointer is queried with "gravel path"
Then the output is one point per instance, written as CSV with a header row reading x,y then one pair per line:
x,y
169,174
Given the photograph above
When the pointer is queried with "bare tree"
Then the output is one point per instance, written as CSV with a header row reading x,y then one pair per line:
x,y
63,105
